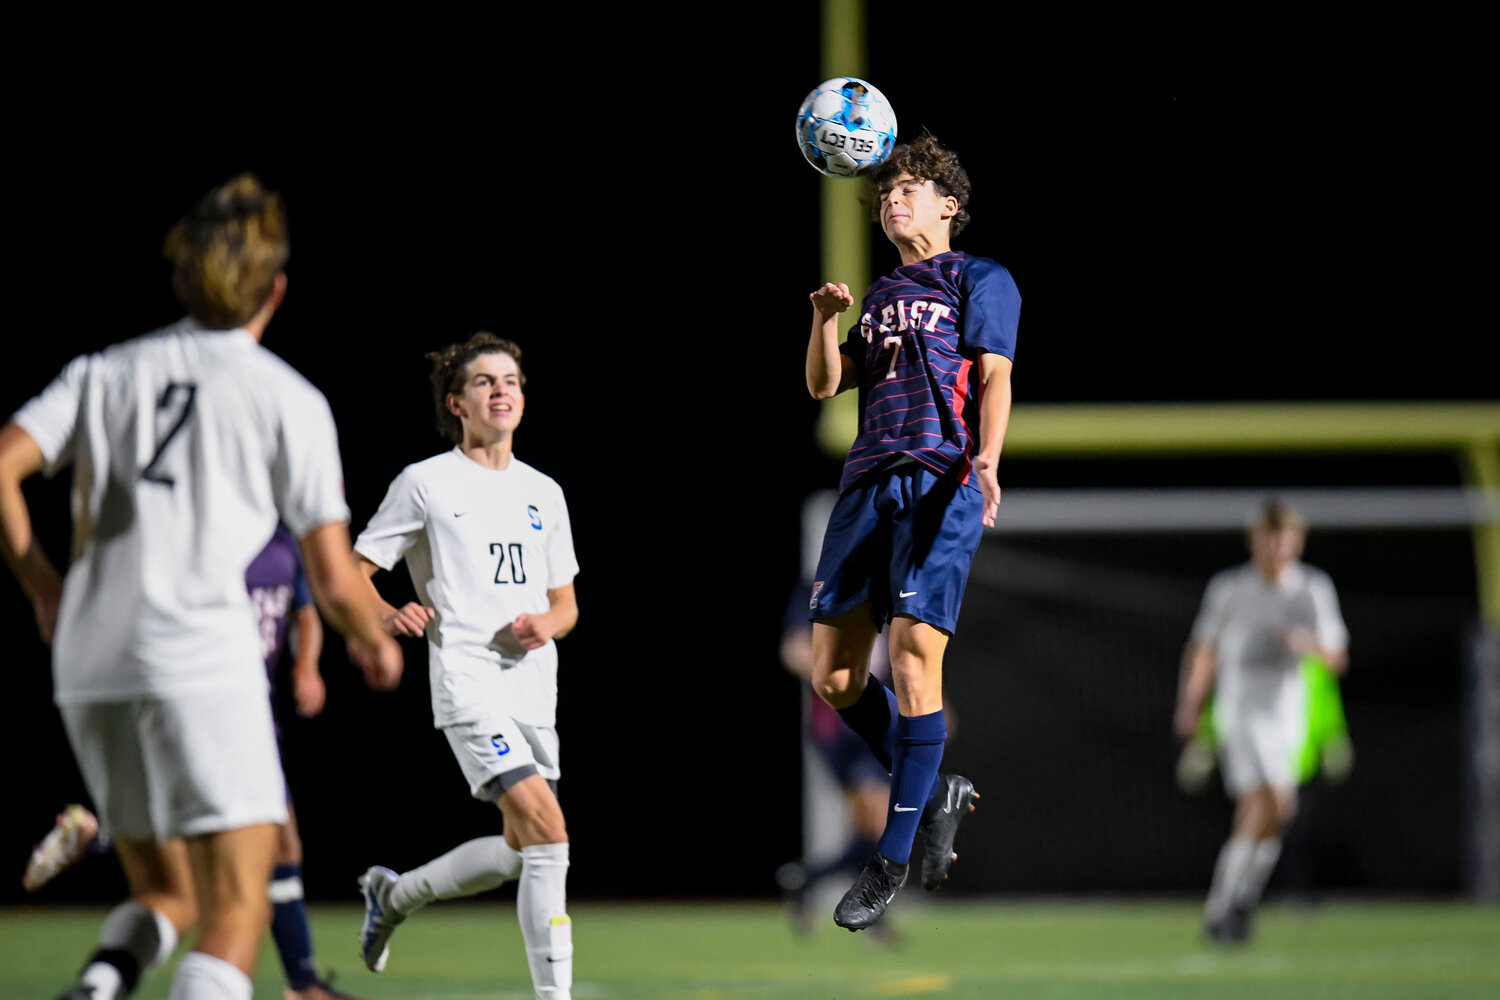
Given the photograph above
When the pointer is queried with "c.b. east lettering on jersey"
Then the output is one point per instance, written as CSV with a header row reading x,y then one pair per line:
x,y
922,327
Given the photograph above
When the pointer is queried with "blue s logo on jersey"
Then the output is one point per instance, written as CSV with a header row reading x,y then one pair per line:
x,y
498,742
535,515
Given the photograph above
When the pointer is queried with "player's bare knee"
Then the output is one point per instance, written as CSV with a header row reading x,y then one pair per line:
x,y
837,688
1283,811
538,827
288,846
181,910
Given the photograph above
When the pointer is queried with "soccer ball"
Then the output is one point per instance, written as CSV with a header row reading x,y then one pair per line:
x,y
846,127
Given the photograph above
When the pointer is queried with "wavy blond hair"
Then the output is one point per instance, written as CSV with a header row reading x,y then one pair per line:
x,y
227,252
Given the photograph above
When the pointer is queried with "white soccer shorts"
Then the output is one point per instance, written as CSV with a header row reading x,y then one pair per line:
x,y
1259,746
499,752
159,768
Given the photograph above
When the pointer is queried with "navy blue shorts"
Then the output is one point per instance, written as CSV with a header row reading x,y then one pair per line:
x,y
903,541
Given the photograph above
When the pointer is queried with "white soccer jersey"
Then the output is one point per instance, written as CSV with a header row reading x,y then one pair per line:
x,y
1243,616
187,444
482,546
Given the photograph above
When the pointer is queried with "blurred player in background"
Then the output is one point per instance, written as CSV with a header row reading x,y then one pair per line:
x,y
1258,623
931,357
288,619
489,546
187,445
864,781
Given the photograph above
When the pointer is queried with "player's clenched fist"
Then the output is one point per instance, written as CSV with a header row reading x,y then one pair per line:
x,y
832,299
410,620
530,631
381,662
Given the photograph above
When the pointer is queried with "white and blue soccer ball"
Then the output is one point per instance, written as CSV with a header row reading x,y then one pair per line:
x,y
846,127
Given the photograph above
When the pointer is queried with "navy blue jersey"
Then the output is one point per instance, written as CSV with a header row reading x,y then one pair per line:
x,y
278,587
922,328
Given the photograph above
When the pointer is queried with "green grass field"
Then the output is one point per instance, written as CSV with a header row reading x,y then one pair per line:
x,y
1033,950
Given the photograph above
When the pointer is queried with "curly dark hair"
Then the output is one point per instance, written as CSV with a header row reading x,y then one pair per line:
x,y
450,365
925,159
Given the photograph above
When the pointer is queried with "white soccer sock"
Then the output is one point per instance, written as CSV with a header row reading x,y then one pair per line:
x,y
476,866
104,978
145,935
1257,873
1233,857
541,907
200,976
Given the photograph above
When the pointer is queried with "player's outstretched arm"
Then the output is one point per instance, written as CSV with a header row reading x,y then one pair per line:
x,y
342,595
829,372
994,417
20,459
533,631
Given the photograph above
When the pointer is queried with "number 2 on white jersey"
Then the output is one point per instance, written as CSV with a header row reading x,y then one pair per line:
x,y
186,391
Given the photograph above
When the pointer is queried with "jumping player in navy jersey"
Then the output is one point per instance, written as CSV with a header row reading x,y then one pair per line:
x,y
931,356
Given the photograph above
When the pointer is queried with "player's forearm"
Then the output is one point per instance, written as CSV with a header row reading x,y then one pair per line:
x,y
343,593
1198,667
562,616
308,646
825,368
994,416
19,459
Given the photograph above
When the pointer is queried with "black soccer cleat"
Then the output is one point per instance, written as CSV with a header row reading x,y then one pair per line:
x,y
1232,928
865,902
939,829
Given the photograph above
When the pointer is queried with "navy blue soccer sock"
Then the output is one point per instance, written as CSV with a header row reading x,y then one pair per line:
x,y
919,752
289,928
873,718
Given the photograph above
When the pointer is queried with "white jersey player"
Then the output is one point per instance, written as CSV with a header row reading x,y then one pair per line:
x,y
1256,624
487,541
187,445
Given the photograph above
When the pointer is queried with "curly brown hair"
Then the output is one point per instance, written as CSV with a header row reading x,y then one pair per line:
x,y
450,367
227,252
925,159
